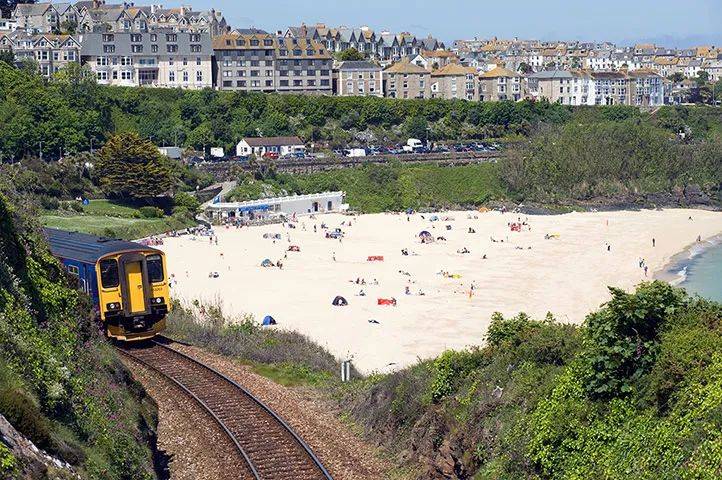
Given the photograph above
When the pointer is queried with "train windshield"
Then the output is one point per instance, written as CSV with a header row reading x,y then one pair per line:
x,y
155,268
109,273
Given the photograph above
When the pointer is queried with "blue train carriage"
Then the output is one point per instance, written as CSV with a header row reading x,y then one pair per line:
x,y
126,281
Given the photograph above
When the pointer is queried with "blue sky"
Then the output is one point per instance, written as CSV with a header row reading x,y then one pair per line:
x,y
675,22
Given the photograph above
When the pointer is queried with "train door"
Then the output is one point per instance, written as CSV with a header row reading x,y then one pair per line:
x,y
135,287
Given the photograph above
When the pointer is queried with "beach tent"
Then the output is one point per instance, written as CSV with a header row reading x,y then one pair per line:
x,y
269,320
409,211
434,218
267,263
339,301
426,237
294,248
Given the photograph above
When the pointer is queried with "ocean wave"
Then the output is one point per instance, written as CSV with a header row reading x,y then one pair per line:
x,y
680,277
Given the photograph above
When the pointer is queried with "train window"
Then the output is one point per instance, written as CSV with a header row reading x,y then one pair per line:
x,y
73,270
155,268
109,273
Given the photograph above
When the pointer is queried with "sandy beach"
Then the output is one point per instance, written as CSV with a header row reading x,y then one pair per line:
x,y
560,263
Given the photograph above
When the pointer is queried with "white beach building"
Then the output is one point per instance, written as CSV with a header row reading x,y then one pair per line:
x,y
269,207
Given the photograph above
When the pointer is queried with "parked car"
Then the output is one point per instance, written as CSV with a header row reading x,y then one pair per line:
x,y
271,155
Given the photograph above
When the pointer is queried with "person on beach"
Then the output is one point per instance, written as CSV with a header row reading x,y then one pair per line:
x,y
654,242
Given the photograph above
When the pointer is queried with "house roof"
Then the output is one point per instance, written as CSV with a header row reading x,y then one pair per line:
x,y
92,44
272,141
551,74
358,65
453,69
405,67
499,72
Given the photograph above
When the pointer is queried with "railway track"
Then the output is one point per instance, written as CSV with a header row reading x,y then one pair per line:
x,y
268,446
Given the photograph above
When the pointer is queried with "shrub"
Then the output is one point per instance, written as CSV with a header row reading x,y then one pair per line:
x,y
187,201
151,212
49,203
623,337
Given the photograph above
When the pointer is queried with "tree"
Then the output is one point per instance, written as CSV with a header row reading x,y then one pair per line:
x,y
676,77
350,54
416,127
702,78
7,6
132,168
8,57
525,68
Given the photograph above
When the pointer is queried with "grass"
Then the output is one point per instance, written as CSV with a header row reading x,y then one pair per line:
x,y
290,374
109,219
124,228
110,208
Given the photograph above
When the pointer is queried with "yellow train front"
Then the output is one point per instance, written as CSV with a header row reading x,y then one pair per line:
x,y
127,281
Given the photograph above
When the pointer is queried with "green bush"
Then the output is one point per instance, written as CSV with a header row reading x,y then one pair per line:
x,y
187,201
8,463
49,203
151,212
623,337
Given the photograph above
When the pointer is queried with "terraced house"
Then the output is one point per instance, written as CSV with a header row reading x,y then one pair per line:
x,y
45,17
171,59
454,81
406,80
358,78
51,52
501,84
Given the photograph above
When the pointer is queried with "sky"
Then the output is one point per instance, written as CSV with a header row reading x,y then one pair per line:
x,y
672,23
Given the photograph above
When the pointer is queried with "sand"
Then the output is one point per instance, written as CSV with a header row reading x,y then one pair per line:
x,y
567,275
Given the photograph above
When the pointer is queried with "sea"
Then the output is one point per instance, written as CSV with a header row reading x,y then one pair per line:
x,y
699,269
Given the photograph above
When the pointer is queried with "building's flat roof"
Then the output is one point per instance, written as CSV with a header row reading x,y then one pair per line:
x,y
264,202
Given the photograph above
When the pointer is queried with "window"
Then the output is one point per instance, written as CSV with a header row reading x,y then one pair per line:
x,y
227,83
153,37
108,37
73,270
240,83
185,77
137,48
108,48
109,277
195,48
269,83
136,37
195,37
126,75
172,48
171,37
198,61
311,83
284,83
171,76
199,76
155,268
154,48
185,62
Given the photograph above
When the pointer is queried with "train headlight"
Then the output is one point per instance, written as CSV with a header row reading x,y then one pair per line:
x,y
156,300
113,306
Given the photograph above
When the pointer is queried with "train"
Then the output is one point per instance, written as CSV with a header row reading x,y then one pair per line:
x,y
126,281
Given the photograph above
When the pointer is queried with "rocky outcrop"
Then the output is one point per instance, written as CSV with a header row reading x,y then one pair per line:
x,y
33,462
